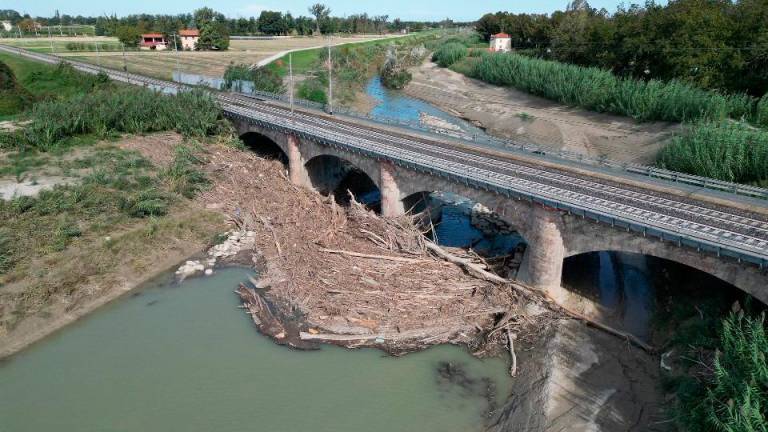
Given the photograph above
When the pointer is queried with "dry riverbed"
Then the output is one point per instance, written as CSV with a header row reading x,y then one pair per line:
x,y
512,114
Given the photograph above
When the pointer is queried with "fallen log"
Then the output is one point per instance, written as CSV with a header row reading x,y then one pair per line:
x,y
475,270
511,341
380,257
338,337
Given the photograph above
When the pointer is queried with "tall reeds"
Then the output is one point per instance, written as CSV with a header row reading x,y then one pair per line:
x,y
127,110
727,150
449,53
599,90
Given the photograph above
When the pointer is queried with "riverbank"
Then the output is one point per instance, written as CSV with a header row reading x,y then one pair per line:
x,y
512,114
67,271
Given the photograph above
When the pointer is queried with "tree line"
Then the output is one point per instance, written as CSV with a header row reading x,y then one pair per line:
x,y
714,44
318,20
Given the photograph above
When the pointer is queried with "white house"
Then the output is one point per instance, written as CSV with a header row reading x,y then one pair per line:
x,y
189,39
6,25
501,42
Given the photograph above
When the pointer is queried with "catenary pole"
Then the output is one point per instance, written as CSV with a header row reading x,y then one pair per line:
x,y
330,78
290,74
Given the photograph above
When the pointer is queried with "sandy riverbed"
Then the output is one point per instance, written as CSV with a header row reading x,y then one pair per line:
x,y
509,113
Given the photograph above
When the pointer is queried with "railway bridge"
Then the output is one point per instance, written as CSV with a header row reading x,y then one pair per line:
x,y
553,229
561,206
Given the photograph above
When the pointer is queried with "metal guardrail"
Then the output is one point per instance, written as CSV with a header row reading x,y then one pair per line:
x,y
487,140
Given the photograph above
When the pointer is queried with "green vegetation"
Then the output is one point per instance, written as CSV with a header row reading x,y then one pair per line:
x,y
47,82
599,90
263,78
729,391
183,175
729,151
313,90
395,77
104,113
13,98
118,209
761,112
708,44
353,65
448,54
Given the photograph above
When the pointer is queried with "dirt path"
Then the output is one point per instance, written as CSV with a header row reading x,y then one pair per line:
x,y
513,114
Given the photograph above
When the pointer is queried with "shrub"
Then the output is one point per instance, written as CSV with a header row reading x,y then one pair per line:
x,y
182,174
312,90
148,202
735,397
13,97
761,111
449,53
103,113
727,150
263,78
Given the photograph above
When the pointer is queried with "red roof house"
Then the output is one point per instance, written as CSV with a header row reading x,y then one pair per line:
x,y
153,41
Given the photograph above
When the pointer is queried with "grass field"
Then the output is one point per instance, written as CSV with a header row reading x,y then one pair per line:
x,y
161,64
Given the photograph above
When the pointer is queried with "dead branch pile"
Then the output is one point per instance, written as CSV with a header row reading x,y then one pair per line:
x,y
349,271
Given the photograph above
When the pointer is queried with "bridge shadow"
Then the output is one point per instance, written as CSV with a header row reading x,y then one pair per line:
x,y
331,175
264,147
639,293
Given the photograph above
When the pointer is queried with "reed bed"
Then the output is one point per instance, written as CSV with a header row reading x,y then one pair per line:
x,y
125,110
449,53
727,150
599,90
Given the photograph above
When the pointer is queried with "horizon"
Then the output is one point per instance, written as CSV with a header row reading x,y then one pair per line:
x,y
456,10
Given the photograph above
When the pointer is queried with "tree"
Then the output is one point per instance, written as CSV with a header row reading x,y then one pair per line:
x,y
272,23
488,25
213,36
321,12
129,35
207,15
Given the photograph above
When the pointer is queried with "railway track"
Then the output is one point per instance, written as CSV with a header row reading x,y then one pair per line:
x,y
742,234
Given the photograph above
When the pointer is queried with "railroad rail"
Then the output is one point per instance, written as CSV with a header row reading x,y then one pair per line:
x,y
638,206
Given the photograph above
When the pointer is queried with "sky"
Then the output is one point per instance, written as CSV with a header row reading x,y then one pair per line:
x,y
458,10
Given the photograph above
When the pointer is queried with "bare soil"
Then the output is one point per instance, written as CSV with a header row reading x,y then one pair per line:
x,y
512,114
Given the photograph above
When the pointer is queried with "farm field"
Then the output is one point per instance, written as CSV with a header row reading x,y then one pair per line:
x,y
161,64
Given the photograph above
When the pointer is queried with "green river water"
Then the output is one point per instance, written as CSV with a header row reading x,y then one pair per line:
x,y
184,358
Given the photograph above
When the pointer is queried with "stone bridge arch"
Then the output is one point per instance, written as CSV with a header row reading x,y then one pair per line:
x,y
581,238
279,139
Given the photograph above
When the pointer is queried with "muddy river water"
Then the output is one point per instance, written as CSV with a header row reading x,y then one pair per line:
x,y
184,357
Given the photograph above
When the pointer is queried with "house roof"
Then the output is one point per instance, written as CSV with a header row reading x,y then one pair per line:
x,y
189,32
500,36
152,35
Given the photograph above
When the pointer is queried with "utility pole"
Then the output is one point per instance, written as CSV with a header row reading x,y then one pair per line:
x,y
98,56
125,62
330,78
290,74
50,39
176,48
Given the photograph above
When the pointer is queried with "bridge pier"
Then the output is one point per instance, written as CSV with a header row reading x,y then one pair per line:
x,y
297,171
542,266
391,204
